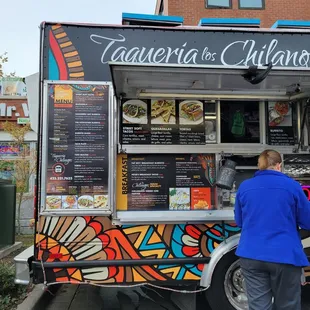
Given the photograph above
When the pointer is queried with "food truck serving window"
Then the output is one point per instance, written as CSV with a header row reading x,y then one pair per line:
x,y
164,122
174,137
184,182
167,183
76,168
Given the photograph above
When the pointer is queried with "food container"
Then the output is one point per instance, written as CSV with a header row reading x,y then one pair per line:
x,y
227,175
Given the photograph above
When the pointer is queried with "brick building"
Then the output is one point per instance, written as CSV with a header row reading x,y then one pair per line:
x,y
268,11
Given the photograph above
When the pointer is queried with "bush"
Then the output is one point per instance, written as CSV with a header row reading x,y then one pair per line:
x,y
10,293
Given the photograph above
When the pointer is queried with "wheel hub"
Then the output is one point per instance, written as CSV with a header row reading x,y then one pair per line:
x,y
234,286
238,280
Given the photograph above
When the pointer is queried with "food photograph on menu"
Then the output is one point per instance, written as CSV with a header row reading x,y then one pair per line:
x,y
280,124
53,202
100,201
191,112
69,202
201,198
163,112
179,199
280,114
135,112
86,201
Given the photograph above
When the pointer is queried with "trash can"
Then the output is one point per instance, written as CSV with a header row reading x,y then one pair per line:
x,y
8,212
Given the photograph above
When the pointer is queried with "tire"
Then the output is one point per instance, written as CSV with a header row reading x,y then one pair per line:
x,y
227,285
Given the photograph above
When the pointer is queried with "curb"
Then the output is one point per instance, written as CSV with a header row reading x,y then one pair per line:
x,y
39,298
10,249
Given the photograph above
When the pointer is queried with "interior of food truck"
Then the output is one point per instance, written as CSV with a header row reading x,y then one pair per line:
x,y
245,111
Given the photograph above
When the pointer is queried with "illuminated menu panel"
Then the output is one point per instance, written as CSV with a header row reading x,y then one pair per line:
x,y
167,122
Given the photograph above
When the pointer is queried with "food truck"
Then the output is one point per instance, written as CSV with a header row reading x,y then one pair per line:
x,y
136,124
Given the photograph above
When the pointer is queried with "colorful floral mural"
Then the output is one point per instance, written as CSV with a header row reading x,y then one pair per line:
x,y
94,238
86,238
64,60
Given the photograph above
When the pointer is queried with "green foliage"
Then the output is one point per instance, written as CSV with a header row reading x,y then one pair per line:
x,y
23,167
4,59
173,192
10,293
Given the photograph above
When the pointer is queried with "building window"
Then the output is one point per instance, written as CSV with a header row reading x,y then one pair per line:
x,y
226,4
161,8
252,4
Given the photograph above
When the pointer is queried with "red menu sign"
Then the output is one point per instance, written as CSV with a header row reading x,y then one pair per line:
x,y
306,189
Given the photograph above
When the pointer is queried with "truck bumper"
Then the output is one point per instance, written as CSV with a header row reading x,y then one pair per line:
x,y
23,270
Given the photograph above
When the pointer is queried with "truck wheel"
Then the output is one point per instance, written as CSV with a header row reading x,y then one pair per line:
x,y
227,290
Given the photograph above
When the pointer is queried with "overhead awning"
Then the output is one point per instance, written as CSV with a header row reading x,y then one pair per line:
x,y
206,82
151,20
289,24
230,22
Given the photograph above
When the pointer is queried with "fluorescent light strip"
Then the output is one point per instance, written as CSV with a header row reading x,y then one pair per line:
x,y
219,91
213,96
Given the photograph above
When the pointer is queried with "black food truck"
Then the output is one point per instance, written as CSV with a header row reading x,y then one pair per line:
x,y
136,124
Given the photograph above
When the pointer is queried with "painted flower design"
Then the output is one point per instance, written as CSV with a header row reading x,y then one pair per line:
x,y
199,240
71,239
95,238
191,240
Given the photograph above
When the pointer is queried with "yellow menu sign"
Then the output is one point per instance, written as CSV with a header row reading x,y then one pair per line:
x,y
121,183
63,96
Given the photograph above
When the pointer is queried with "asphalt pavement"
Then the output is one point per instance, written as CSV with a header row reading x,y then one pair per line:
x,y
84,297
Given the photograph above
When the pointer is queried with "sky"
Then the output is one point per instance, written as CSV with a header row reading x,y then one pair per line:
x,y
20,20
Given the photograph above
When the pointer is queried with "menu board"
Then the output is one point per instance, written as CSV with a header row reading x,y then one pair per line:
x,y
165,182
77,159
280,124
163,122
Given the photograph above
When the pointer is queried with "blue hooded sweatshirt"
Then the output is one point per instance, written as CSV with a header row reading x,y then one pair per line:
x,y
269,208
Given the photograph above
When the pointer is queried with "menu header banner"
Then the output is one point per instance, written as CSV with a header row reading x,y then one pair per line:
x,y
94,47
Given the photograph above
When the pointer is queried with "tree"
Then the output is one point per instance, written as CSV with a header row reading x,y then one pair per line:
x,y
4,59
22,168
